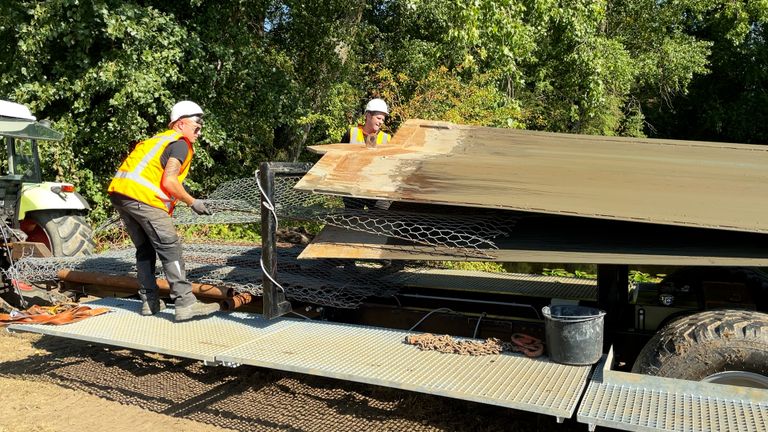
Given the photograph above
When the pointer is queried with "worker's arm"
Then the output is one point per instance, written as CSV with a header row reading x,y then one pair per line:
x,y
171,182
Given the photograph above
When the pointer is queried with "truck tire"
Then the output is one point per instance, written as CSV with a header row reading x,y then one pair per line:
x,y
65,234
720,346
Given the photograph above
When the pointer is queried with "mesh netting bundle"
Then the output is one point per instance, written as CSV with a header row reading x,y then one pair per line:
x,y
321,282
238,201
461,232
338,283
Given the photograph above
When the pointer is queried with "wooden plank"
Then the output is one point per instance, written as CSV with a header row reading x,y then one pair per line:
x,y
712,185
23,249
564,240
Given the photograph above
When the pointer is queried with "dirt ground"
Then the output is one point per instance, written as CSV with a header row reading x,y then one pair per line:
x,y
54,384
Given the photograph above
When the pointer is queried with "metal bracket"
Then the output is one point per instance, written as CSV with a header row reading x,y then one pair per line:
x,y
220,363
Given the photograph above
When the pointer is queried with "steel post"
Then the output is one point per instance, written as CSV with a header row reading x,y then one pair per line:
x,y
613,298
275,303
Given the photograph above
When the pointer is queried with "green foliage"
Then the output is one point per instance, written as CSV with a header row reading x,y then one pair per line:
x,y
103,71
443,95
250,233
636,276
728,103
494,35
559,272
584,275
483,266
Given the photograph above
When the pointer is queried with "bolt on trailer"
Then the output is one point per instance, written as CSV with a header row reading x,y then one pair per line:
x,y
442,192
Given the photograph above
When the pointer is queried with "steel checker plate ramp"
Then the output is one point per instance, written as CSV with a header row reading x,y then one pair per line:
x,y
199,339
635,402
502,283
380,357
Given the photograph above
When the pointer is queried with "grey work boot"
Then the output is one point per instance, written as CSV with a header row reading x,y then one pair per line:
x,y
184,313
145,273
152,305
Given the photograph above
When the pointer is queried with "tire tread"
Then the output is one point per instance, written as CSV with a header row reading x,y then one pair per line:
x,y
682,342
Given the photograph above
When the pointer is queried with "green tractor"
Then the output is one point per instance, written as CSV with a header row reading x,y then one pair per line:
x,y
38,217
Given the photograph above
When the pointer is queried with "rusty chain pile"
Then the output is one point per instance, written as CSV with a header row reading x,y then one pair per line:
x,y
519,343
450,345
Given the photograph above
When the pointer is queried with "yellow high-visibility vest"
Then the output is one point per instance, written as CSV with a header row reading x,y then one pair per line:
x,y
141,173
356,136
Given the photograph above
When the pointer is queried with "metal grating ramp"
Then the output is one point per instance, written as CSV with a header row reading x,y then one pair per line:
x,y
504,283
379,356
635,402
356,353
200,339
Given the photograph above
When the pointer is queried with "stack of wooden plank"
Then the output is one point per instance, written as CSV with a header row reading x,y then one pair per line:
x,y
579,198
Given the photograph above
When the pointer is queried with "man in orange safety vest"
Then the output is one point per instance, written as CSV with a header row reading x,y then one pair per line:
x,y
144,191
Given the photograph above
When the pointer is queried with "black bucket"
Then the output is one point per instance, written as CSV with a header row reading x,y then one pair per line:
x,y
574,334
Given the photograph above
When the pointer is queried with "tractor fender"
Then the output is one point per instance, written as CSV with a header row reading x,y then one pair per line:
x,y
40,196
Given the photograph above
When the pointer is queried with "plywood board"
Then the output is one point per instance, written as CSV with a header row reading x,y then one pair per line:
x,y
712,185
559,239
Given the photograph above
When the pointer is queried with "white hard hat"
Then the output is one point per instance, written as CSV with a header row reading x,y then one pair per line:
x,y
377,105
185,109
14,110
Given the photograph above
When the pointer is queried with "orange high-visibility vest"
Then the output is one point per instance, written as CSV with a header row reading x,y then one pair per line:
x,y
356,136
141,173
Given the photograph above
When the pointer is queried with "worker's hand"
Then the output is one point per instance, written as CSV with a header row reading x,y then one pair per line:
x,y
200,208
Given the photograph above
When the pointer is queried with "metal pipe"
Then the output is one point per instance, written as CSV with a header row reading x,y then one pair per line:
x,y
465,300
236,301
131,284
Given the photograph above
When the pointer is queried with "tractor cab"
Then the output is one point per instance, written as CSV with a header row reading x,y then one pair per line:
x,y
33,210
20,132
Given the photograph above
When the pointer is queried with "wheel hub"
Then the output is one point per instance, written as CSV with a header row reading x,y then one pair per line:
x,y
739,378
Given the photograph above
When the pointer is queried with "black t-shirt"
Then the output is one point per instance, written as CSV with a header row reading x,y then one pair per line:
x,y
177,150
346,138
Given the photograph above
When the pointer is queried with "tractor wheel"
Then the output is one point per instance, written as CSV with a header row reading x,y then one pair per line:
x,y
64,234
719,346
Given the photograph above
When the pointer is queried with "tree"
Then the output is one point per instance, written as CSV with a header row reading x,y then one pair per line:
x,y
275,76
728,103
102,70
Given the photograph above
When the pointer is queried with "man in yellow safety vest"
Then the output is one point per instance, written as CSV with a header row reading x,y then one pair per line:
x,y
371,135
144,191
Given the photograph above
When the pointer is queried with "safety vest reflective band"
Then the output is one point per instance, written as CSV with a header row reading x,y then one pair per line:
x,y
141,174
356,136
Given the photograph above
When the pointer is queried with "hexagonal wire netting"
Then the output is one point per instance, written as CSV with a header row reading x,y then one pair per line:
x,y
327,282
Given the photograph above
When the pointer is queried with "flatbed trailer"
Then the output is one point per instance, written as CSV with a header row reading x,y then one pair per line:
x,y
356,345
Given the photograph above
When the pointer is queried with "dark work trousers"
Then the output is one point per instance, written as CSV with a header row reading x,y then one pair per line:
x,y
152,232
